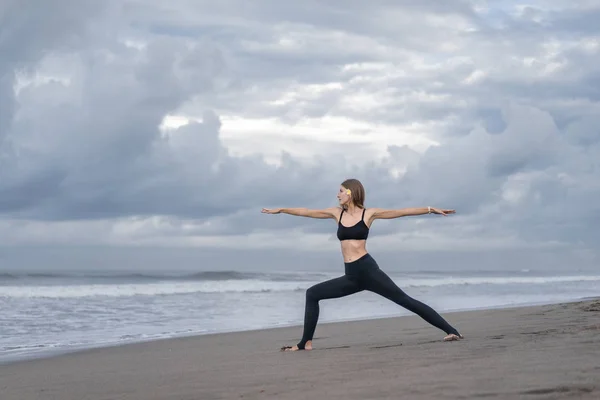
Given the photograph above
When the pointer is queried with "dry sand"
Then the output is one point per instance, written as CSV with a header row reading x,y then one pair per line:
x,y
540,352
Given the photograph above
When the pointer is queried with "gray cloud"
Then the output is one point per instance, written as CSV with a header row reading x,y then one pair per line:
x,y
21,46
513,109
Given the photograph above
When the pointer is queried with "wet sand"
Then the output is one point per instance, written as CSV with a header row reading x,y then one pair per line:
x,y
539,352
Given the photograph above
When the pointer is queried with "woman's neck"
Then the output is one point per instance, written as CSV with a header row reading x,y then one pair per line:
x,y
351,208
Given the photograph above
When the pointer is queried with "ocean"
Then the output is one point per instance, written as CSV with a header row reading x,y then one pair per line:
x,y
46,313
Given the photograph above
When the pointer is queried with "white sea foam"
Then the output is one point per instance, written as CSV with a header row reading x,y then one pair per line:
x,y
254,286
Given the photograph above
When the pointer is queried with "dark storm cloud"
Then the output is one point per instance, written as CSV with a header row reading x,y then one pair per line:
x,y
27,34
100,139
90,147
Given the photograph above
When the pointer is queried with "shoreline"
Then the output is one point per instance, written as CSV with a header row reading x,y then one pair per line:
x,y
544,351
69,350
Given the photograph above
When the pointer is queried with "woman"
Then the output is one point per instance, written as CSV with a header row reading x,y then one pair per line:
x,y
361,270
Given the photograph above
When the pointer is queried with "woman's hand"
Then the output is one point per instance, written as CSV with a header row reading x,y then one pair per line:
x,y
441,212
271,210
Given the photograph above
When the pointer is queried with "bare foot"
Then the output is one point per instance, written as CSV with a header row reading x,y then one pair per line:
x,y
307,346
452,337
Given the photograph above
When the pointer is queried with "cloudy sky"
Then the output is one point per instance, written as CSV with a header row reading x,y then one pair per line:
x,y
156,131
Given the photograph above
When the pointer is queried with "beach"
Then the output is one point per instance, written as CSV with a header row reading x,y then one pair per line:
x,y
538,352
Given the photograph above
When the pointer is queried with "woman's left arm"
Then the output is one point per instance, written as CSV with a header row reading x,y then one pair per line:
x,y
381,213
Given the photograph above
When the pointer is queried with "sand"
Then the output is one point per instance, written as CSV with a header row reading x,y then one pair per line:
x,y
539,352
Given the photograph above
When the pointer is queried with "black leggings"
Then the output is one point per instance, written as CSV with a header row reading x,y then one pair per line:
x,y
364,274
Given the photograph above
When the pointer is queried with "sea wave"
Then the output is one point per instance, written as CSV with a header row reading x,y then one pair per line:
x,y
253,285
226,275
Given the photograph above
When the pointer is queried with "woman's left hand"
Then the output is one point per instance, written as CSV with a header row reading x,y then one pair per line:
x,y
441,212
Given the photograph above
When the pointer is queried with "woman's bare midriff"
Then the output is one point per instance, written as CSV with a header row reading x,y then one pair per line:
x,y
352,250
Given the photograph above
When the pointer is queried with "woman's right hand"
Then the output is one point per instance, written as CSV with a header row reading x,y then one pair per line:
x,y
271,210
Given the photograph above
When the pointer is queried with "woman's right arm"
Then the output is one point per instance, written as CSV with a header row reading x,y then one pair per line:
x,y
305,212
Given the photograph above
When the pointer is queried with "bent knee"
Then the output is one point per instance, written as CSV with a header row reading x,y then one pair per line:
x,y
312,294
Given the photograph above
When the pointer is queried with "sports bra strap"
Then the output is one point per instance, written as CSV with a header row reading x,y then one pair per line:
x,y
363,214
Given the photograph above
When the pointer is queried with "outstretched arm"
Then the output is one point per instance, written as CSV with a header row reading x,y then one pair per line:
x,y
304,212
380,213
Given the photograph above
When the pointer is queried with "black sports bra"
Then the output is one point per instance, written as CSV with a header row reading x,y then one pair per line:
x,y
358,231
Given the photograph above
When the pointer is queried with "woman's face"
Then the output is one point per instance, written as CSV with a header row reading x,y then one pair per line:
x,y
344,196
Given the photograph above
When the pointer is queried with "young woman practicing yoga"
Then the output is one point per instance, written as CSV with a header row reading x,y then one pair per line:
x,y
361,270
